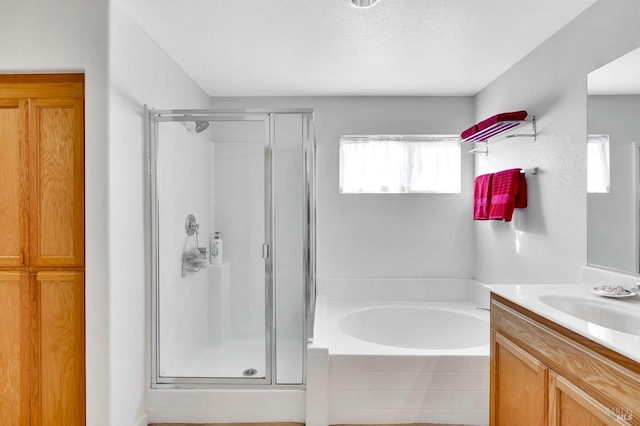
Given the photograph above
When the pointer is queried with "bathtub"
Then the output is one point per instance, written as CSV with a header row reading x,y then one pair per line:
x,y
398,362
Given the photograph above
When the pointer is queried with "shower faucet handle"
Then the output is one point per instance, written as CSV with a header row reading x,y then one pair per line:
x,y
191,226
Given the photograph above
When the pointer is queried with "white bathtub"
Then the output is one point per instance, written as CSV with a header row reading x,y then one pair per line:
x,y
401,328
399,362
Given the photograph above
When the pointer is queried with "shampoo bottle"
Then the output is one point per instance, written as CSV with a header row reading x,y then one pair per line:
x,y
215,252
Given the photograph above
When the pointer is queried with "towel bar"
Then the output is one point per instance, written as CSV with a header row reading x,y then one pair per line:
x,y
531,171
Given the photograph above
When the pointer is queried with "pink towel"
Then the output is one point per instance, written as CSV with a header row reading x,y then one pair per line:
x,y
482,197
470,131
505,116
521,196
504,189
485,124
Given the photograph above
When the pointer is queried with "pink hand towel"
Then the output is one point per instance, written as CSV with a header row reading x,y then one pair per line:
x,y
521,196
470,131
482,196
503,194
485,124
505,116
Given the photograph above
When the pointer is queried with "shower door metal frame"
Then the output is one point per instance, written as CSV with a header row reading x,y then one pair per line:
x,y
153,117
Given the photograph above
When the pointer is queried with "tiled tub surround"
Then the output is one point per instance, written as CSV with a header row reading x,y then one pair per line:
x,y
350,380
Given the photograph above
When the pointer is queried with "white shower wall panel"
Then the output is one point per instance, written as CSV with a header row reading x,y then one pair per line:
x,y
238,208
184,174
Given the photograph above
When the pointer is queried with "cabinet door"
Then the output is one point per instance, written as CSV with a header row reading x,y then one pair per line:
x,y
58,396
518,385
56,183
570,406
14,348
13,182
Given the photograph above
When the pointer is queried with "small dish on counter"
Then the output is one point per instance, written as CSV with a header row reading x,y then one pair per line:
x,y
613,291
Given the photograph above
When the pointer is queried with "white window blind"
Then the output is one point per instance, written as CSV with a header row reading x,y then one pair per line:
x,y
598,174
399,164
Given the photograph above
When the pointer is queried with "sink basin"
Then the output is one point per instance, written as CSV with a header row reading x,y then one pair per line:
x,y
618,318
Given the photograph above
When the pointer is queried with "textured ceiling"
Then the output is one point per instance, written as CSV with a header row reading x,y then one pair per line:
x,y
328,47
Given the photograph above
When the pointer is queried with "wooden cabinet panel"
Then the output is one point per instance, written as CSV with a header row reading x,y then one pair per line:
x,y
519,385
570,406
14,349
58,333
13,182
17,86
56,184
42,356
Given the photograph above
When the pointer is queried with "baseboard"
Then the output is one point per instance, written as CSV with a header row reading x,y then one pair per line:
x,y
225,406
143,420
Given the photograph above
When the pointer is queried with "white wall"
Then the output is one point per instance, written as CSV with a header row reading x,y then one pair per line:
x,y
546,243
385,236
140,73
611,217
70,36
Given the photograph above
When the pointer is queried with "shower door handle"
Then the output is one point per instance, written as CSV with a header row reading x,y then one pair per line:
x,y
266,252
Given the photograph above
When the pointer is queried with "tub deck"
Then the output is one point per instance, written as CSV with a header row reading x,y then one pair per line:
x,y
340,343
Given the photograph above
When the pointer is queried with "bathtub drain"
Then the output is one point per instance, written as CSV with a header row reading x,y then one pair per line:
x,y
250,372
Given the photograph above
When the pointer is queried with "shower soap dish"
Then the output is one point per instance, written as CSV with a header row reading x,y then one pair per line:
x,y
613,291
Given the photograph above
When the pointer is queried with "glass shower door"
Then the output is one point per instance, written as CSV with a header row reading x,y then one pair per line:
x,y
213,316
248,177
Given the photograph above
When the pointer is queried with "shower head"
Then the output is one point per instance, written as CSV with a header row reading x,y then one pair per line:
x,y
201,126
362,4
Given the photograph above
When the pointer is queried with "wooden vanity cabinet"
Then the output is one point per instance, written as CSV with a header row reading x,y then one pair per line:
x,y
42,338
544,374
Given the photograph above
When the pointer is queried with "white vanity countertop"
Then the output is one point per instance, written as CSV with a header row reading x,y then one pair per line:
x,y
528,295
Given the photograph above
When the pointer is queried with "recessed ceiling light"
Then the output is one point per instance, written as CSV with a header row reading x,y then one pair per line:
x,y
361,4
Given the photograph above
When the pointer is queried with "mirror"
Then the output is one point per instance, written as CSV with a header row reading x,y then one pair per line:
x,y
613,128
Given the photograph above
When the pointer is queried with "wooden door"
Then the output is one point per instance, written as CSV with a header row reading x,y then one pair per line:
x,y
13,183
571,406
519,383
56,183
58,395
15,359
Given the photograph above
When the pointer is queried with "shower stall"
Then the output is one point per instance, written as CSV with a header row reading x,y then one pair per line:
x,y
232,206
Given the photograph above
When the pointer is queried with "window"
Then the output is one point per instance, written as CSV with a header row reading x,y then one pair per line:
x,y
598,176
399,164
